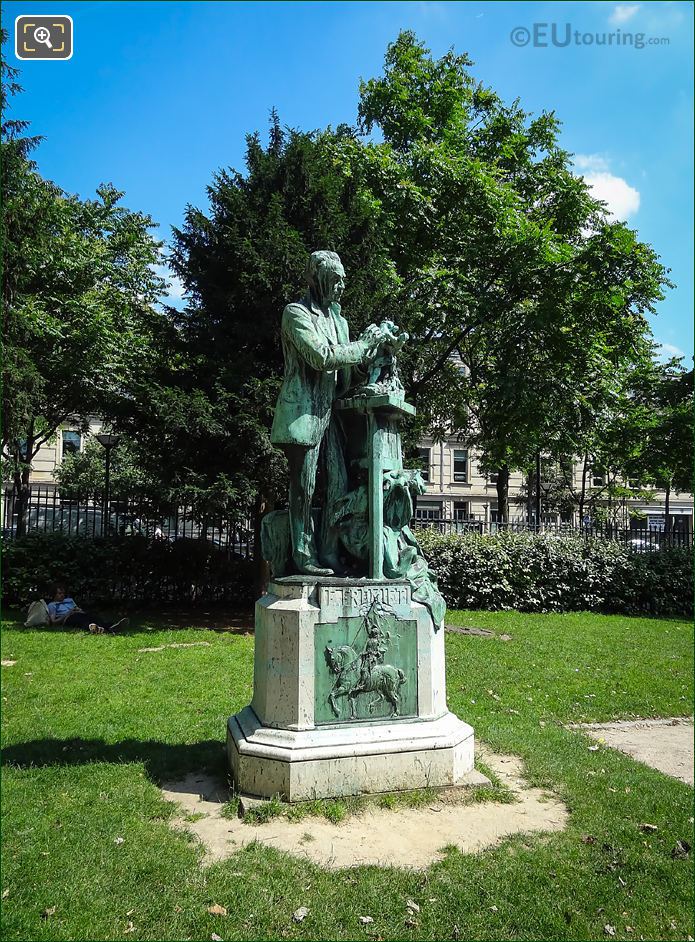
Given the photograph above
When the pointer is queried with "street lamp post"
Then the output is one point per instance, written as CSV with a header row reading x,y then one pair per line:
x,y
109,442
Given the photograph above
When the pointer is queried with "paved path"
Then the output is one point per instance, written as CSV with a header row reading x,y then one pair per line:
x,y
666,745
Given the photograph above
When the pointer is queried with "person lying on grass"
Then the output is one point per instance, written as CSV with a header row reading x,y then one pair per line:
x,y
63,610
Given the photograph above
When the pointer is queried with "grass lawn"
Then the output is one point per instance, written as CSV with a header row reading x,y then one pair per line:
x,y
91,726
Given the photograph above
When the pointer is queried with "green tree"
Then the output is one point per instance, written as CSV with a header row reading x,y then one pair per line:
x,y
240,263
83,473
525,303
80,325
464,223
659,423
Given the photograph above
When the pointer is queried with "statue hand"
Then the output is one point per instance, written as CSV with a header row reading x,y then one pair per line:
x,y
374,336
400,340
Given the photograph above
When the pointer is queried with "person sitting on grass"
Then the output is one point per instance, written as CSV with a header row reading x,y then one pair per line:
x,y
63,610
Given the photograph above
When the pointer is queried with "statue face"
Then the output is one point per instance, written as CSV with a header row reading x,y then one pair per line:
x,y
335,283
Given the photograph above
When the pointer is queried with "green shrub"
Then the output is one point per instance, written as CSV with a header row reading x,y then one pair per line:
x,y
551,573
528,572
129,568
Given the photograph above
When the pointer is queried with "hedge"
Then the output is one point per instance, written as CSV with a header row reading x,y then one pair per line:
x,y
551,573
125,569
528,572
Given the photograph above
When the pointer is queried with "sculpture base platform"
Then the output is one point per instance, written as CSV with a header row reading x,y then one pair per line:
x,y
331,763
320,725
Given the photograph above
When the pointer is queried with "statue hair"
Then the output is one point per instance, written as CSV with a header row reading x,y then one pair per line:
x,y
320,264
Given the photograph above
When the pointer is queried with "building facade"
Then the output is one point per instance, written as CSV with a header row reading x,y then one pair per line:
x,y
69,439
457,488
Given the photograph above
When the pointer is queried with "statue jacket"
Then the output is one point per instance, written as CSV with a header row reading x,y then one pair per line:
x,y
318,356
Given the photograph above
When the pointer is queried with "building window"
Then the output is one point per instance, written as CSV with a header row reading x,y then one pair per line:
x,y
428,510
492,477
461,509
597,478
424,456
567,471
71,443
460,467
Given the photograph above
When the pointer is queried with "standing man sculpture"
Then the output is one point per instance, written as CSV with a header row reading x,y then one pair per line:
x,y
318,360
374,635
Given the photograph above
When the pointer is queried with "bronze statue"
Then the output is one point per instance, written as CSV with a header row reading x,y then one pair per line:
x,y
318,360
344,400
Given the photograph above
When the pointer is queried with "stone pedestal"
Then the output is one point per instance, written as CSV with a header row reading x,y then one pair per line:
x,y
326,720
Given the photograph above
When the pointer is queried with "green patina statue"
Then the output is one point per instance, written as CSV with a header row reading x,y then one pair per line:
x,y
341,403
318,360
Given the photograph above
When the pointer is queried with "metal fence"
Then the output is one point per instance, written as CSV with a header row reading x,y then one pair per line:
x,y
635,537
47,511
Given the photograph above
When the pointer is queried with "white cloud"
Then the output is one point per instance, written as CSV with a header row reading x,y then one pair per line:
x,y
433,9
668,350
621,199
623,12
593,162
176,289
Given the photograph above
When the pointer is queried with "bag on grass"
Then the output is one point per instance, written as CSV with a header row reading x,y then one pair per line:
x,y
37,614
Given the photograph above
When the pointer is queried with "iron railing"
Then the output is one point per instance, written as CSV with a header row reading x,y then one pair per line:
x,y
639,538
47,511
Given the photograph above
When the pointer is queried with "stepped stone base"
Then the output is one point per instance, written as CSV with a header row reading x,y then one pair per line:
x,y
315,728
333,762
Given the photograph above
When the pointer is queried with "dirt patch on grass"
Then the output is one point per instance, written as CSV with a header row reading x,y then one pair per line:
x,y
666,745
411,838
184,644
197,619
477,632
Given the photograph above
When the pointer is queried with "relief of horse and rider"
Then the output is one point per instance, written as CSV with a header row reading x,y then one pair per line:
x,y
365,672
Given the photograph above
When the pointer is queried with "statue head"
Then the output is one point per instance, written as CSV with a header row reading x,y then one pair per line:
x,y
326,276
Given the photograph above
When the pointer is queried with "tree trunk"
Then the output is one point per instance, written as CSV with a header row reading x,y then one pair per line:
x,y
538,490
611,512
667,512
582,493
261,568
530,477
22,491
503,493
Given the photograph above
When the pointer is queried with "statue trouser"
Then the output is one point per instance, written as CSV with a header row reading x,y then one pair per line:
x,y
309,557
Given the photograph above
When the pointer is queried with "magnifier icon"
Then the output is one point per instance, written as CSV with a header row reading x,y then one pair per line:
x,y
43,35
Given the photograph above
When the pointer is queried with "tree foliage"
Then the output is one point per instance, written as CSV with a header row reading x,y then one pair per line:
x,y
83,473
79,286
510,269
240,263
462,220
465,224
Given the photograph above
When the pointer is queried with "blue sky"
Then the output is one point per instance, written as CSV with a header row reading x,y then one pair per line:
x,y
157,96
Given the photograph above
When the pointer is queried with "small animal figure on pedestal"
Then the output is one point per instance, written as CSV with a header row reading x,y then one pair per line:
x,y
383,375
